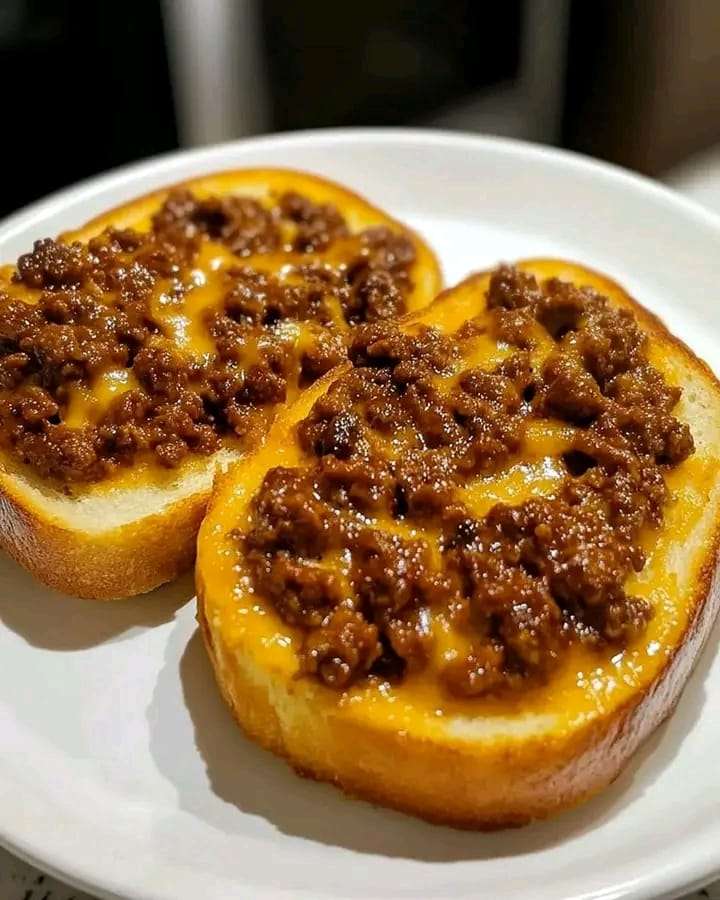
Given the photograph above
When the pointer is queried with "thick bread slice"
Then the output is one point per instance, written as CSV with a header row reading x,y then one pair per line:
x,y
110,544
118,540
478,763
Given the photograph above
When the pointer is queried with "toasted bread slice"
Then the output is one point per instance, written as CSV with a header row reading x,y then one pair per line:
x,y
505,757
132,531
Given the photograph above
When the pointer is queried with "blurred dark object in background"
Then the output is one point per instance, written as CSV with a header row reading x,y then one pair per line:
x,y
85,88
643,81
91,85
396,60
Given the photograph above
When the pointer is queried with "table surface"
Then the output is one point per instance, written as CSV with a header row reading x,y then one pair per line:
x,y
699,179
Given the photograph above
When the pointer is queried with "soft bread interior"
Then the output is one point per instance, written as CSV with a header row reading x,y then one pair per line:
x,y
107,507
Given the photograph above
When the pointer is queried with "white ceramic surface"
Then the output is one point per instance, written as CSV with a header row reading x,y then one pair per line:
x,y
121,770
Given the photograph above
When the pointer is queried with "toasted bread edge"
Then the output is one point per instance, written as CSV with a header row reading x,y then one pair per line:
x,y
441,783
477,786
108,565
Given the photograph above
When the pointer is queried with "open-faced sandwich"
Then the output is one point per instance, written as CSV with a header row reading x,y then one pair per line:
x,y
153,345
470,570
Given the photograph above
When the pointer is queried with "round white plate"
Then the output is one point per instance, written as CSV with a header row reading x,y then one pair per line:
x,y
121,770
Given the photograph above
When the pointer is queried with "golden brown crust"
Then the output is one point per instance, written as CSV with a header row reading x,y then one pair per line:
x,y
466,790
476,783
155,548
132,559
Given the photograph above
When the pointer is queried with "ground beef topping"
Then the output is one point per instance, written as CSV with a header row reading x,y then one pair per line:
x,y
117,311
371,547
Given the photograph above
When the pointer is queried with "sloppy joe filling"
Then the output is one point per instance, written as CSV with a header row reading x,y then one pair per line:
x,y
379,549
172,341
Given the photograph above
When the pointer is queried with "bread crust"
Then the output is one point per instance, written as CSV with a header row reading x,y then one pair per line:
x,y
110,565
444,785
475,784
155,548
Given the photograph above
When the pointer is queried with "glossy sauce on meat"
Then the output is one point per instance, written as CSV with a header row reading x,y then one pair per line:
x,y
379,548
169,342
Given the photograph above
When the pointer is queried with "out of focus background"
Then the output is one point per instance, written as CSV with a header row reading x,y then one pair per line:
x,y
89,85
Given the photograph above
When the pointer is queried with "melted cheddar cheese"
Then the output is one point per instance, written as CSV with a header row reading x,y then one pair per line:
x,y
181,306
588,683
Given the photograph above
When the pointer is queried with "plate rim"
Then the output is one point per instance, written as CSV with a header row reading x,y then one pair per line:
x,y
86,188
681,876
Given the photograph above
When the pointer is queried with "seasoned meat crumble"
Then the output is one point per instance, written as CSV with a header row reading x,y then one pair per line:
x,y
371,548
114,311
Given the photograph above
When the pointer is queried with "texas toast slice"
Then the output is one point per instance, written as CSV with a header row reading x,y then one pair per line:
x,y
148,348
469,573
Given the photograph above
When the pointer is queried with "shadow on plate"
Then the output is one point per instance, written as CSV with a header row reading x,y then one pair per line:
x,y
258,784
53,621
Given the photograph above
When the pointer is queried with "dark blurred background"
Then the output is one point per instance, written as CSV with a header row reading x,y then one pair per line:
x,y
88,85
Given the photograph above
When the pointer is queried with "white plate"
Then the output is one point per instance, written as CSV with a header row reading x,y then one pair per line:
x,y
120,768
